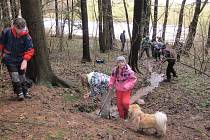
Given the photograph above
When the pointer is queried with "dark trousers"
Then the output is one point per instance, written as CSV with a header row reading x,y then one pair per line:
x,y
123,46
144,50
170,69
157,54
18,78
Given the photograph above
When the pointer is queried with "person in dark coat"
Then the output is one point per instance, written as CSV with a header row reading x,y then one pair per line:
x,y
17,49
169,57
123,40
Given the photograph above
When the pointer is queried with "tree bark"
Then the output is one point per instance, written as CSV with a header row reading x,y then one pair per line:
x,y
136,35
100,22
14,8
155,20
165,20
57,31
179,30
5,14
39,69
127,20
72,19
86,51
68,18
147,17
111,26
106,27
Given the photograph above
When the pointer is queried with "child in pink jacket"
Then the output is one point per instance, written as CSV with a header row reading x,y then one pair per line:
x,y
123,80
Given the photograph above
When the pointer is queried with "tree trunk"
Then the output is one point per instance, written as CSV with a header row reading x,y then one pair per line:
x,y
106,27
100,18
57,31
147,17
111,26
127,20
14,8
40,70
68,18
165,20
5,14
72,19
193,25
136,35
208,39
86,51
155,20
179,30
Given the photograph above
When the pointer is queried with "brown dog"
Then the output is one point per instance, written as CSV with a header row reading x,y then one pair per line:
x,y
144,121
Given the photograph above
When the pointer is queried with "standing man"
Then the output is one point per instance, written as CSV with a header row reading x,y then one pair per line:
x,y
123,40
169,56
17,49
145,46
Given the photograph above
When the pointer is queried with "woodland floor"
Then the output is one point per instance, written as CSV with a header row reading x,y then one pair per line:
x,y
55,113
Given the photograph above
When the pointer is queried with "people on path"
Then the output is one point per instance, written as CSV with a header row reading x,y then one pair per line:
x,y
123,80
123,40
17,49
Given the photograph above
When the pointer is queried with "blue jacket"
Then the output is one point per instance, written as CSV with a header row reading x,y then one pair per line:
x,y
15,47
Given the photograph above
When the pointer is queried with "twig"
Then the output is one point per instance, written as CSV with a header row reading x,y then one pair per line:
x,y
194,68
197,130
23,122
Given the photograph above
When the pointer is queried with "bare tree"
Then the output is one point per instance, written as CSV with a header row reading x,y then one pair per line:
x,y
154,24
127,19
137,34
147,15
100,22
86,52
179,30
193,25
5,13
14,8
57,31
106,26
40,70
111,26
165,20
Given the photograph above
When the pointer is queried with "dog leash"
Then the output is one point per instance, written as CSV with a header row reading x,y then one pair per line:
x,y
102,107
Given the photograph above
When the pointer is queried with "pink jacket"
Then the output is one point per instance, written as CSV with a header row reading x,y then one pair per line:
x,y
123,81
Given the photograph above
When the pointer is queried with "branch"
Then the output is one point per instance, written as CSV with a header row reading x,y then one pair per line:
x,y
194,68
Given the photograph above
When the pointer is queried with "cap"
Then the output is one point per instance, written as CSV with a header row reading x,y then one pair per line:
x,y
120,58
20,23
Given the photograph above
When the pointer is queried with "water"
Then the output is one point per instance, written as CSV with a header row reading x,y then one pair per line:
x,y
49,24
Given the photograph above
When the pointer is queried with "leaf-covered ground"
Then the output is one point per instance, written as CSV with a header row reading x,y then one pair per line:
x,y
55,113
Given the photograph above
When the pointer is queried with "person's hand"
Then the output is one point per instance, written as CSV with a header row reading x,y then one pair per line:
x,y
23,65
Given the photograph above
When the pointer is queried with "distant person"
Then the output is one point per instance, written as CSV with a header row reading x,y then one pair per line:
x,y
158,48
123,40
17,49
123,80
169,56
145,46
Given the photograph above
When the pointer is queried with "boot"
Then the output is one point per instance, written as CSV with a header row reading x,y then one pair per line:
x,y
17,88
25,90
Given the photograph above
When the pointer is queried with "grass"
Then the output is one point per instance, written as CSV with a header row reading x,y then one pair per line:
x,y
57,136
